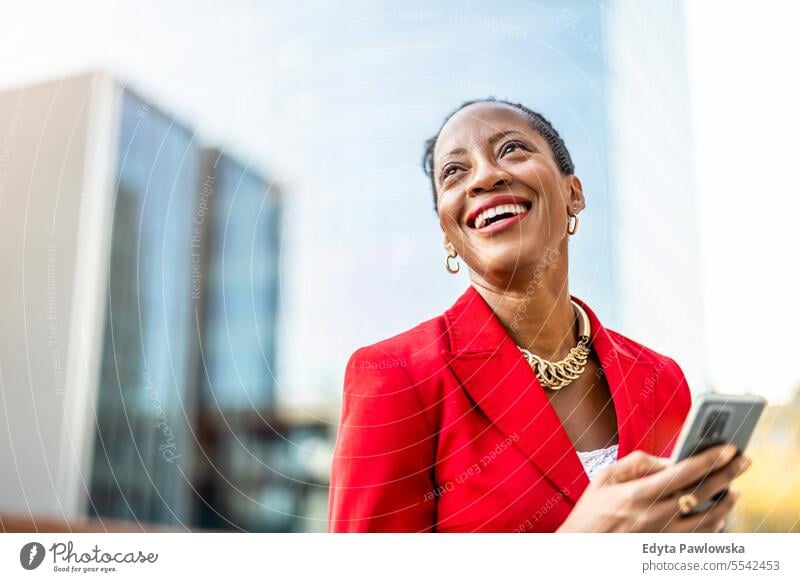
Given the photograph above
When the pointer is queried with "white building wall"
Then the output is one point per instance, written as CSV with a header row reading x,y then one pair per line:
x,y
56,176
652,175
745,95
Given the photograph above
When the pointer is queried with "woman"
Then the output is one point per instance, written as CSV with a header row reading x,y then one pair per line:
x,y
515,410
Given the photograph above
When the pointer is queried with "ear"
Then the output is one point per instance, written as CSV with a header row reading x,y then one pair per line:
x,y
447,244
576,200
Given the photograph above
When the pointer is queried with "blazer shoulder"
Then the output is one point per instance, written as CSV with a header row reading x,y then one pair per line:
x,y
414,346
639,351
394,375
665,373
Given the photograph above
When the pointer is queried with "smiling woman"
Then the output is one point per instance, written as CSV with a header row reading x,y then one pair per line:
x,y
509,401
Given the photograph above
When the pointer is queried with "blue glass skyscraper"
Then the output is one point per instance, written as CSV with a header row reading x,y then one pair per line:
x,y
145,401
241,287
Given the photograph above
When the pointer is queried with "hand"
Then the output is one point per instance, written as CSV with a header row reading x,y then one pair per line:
x,y
639,493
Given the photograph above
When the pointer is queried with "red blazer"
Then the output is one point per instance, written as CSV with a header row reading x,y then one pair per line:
x,y
446,428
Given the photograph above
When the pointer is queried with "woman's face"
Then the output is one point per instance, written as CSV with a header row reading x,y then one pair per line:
x,y
502,200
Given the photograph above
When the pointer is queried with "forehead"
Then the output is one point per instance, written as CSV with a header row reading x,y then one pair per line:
x,y
473,125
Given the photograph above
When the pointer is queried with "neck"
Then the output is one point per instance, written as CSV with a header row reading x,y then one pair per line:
x,y
540,318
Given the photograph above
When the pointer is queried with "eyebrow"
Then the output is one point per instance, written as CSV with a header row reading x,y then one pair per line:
x,y
492,140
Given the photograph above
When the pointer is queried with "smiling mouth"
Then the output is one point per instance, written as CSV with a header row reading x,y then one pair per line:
x,y
499,213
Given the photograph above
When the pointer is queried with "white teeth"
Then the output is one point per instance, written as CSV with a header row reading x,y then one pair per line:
x,y
514,209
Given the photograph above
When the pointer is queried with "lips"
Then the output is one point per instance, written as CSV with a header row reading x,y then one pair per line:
x,y
497,212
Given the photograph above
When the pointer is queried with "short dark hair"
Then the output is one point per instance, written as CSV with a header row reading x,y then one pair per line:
x,y
538,122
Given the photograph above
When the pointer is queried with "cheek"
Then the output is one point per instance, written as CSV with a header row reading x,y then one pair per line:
x,y
543,178
548,185
449,213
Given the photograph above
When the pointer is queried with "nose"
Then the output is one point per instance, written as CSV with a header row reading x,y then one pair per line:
x,y
487,178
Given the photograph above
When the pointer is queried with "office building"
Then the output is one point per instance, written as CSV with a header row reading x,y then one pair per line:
x,y
139,309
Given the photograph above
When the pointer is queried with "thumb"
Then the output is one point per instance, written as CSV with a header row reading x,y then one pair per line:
x,y
634,466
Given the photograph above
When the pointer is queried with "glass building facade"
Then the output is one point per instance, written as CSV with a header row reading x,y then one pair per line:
x,y
241,287
145,402
247,478
189,339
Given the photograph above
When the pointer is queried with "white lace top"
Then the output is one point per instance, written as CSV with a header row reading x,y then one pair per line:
x,y
597,460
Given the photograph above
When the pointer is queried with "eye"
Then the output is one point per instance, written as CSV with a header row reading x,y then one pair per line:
x,y
449,170
511,146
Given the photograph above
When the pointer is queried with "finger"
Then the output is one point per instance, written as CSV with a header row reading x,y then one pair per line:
x,y
633,466
658,517
719,480
668,482
708,521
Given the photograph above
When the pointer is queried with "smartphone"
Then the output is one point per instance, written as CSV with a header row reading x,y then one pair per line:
x,y
717,419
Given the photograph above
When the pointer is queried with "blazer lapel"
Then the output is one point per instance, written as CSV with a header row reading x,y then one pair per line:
x,y
631,379
500,382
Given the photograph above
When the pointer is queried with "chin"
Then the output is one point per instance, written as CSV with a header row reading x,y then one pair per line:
x,y
511,253
502,270
502,263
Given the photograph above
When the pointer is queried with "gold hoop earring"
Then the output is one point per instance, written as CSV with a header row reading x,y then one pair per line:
x,y
572,227
451,255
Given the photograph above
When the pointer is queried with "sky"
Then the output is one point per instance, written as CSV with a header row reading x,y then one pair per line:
x,y
333,101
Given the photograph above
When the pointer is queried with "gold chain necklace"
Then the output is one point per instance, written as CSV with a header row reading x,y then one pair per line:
x,y
556,375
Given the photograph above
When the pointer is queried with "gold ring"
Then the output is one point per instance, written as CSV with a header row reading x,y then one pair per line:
x,y
687,503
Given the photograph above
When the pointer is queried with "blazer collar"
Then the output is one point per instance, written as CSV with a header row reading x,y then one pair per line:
x,y
499,380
